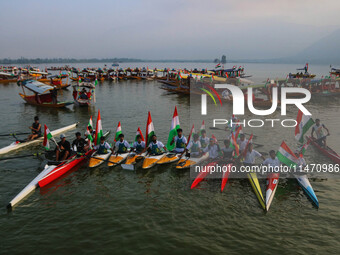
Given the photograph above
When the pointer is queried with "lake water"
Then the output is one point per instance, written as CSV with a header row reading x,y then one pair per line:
x,y
114,211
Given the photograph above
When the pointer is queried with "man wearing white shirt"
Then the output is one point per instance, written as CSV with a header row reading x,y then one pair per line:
x,y
251,155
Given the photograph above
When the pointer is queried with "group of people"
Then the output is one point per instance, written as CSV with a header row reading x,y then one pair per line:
x,y
199,145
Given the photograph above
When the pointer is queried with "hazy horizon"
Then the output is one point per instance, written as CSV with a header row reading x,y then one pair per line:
x,y
151,29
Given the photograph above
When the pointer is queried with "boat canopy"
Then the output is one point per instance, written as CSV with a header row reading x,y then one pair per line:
x,y
85,85
38,72
36,86
6,74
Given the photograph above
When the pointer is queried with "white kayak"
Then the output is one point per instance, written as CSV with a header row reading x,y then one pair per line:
x,y
31,186
17,145
307,187
98,159
188,162
131,160
151,160
116,159
272,183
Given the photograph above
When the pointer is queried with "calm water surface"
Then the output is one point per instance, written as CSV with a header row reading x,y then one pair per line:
x,y
113,211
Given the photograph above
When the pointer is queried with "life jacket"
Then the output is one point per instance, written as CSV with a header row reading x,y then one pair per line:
x,y
121,147
102,149
179,143
155,149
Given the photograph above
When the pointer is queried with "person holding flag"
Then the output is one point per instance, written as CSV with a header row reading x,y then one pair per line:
x,y
102,147
63,149
242,142
180,141
318,130
194,146
139,145
121,145
204,140
228,151
212,148
155,147
251,155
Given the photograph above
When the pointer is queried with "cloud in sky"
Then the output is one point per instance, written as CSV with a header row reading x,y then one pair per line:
x,y
187,29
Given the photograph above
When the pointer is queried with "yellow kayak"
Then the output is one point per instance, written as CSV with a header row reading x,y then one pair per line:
x,y
116,159
169,158
151,160
98,159
254,181
132,159
188,162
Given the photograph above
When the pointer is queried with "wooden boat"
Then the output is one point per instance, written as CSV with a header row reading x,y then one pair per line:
x,y
328,152
43,94
84,93
7,77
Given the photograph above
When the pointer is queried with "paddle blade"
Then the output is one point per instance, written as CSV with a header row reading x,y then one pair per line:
x,y
200,177
225,177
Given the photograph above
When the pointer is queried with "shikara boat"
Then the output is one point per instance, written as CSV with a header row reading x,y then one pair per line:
x,y
42,94
84,94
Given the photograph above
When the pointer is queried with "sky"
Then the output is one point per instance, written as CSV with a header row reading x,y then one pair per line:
x,y
158,29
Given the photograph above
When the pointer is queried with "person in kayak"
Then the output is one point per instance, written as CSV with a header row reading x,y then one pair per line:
x,y
36,129
228,152
122,145
63,149
139,145
212,148
242,142
180,141
79,144
204,139
251,155
102,147
272,162
318,129
194,146
155,147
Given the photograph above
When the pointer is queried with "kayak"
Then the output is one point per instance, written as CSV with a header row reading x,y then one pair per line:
x,y
272,181
151,160
307,187
132,159
187,163
63,168
328,152
31,186
254,181
225,176
17,145
116,159
169,157
98,159
200,177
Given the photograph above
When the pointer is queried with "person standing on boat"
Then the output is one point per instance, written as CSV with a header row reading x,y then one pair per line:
x,y
79,144
122,145
180,141
63,149
36,129
318,129
155,147
212,148
204,139
139,145
102,147
194,146
251,156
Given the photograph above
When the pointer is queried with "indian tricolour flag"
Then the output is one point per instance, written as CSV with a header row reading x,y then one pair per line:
x,y
234,144
47,136
192,132
286,155
202,127
303,124
99,129
89,134
150,130
218,65
173,130
118,132
90,125
139,132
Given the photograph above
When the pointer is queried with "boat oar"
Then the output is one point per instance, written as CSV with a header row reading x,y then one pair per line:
x,y
23,156
14,134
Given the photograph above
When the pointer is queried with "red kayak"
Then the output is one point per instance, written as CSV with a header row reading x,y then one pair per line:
x,y
203,174
272,181
63,168
328,152
225,176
